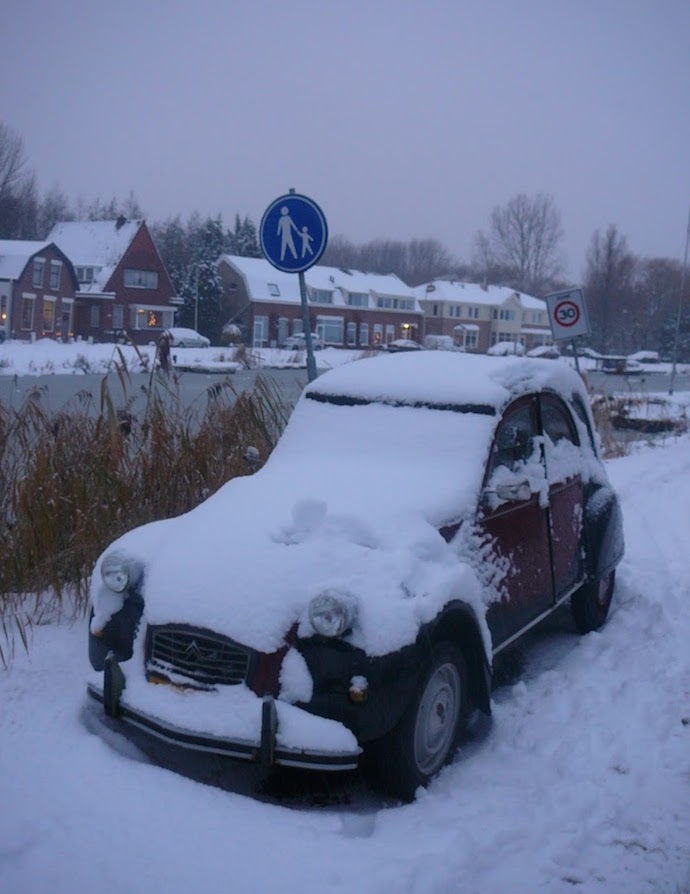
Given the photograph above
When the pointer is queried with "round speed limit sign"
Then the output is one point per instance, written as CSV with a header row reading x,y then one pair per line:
x,y
567,314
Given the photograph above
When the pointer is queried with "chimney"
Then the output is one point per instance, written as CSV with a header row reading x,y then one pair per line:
x,y
120,222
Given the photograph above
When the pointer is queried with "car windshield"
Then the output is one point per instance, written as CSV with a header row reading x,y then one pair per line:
x,y
399,458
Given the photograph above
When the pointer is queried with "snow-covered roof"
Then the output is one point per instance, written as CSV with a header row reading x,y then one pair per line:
x,y
14,255
99,244
474,293
258,273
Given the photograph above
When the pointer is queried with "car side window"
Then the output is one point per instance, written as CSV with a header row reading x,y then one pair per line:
x,y
514,441
556,421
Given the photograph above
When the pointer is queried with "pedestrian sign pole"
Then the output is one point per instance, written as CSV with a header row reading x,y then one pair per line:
x,y
293,234
568,317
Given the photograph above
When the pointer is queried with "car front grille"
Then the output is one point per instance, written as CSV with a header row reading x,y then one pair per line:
x,y
200,655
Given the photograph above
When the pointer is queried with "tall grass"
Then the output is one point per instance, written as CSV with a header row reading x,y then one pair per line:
x,y
72,481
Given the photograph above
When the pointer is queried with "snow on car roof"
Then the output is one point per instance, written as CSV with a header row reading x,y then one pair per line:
x,y
437,378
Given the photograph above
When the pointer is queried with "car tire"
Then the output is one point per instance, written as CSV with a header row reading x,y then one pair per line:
x,y
426,736
590,604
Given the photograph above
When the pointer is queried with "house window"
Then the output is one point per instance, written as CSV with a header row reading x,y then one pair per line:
x,y
48,314
55,274
390,332
39,265
84,274
297,327
473,313
260,332
358,299
3,309
28,302
273,289
470,339
118,316
378,333
320,296
95,316
283,328
331,329
434,312
140,279
351,334
364,334
151,318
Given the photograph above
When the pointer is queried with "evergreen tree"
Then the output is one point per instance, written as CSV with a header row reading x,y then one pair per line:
x,y
201,285
243,240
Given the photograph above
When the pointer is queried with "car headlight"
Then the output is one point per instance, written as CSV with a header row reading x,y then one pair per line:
x,y
118,572
332,613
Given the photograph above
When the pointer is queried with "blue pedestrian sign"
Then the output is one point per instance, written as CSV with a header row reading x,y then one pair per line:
x,y
293,233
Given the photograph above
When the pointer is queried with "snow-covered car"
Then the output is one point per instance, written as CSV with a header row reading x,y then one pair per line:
x,y
298,342
420,512
403,344
186,338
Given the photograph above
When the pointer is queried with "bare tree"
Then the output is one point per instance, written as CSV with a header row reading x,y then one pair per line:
x,y
415,262
608,281
524,242
18,206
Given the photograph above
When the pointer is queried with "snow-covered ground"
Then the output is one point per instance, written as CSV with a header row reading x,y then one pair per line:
x,y
47,356
581,781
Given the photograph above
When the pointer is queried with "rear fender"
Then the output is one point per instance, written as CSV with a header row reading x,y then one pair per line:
x,y
603,532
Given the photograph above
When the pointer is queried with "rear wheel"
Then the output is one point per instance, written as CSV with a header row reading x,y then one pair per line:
x,y
590,604
427,734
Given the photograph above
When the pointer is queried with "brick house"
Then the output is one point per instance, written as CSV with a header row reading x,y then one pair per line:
x,y
347,308
478,317
38,285
124,288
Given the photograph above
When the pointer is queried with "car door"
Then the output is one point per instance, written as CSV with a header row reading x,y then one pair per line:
x,y
513,523
562,456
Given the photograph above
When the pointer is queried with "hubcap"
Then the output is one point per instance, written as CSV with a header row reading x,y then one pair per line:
x,y
437,719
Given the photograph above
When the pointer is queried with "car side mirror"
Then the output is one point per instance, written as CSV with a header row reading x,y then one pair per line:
x,y
514,493
518,492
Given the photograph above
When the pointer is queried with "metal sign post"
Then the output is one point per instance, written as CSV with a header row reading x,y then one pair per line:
x,y
293,234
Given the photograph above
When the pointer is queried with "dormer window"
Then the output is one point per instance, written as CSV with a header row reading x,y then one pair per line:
x,y
84,274
274,289
358,299
320,296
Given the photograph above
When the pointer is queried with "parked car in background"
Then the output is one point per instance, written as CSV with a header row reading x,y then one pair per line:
x,y
298,342
403,344
186,338
419,514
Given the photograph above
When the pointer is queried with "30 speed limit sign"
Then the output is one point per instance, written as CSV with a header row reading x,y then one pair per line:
x,y
567,314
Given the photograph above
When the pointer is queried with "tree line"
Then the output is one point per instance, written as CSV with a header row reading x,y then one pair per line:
x,y
633,301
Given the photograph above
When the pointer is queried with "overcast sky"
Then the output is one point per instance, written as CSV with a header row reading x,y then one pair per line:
x,y
401,119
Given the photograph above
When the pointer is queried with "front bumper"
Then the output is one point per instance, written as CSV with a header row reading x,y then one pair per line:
x,y
234,723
